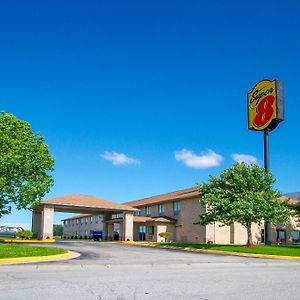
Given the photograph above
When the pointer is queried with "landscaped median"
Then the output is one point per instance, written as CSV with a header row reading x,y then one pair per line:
x,y
290,252
12,253
16,240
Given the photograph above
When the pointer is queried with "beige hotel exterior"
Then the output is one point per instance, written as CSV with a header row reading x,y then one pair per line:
x,y
178,212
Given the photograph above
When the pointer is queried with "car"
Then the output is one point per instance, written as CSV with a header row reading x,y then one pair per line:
x,y
9,231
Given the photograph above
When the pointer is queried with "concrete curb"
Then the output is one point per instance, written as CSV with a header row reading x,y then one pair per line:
x,y
33,259
27,241
220,252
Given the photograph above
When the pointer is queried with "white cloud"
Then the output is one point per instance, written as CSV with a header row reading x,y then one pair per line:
x,y
246,158
202,161
118,159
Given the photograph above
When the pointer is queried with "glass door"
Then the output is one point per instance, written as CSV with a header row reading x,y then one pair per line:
x,y
142,231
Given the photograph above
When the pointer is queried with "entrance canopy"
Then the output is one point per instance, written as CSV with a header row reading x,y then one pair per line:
x,y
43,214
76,203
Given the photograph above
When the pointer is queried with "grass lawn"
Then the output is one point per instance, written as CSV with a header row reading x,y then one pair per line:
x,y
12,250
284,250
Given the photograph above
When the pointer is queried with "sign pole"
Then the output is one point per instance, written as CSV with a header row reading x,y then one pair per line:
x,y
267,170
265,112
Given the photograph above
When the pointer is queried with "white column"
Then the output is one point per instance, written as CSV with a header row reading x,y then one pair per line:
x,y
110,234
47,222
127,232
36,224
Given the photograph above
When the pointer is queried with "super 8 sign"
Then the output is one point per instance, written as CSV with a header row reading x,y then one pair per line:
x,y
265,105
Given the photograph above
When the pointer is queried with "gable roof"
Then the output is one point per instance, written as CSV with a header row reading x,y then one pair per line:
x,y
84,201
77,217
178,195
294,195
141,219
289,200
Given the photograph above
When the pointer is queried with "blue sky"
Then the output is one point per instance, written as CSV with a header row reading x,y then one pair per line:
x,y
137,98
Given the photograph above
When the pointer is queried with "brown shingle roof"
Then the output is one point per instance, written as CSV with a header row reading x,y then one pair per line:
x,y
87,202
290,200
141,219
178,195
77,217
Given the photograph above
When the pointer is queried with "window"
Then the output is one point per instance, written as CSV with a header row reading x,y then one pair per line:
x,y
81,221
77,221
161,209
176,207
151,230
137,213
281,236
148,210
91,219
97,219
86,220
296,236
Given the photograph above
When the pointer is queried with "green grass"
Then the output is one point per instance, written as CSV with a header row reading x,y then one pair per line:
x,y
284,250
12,250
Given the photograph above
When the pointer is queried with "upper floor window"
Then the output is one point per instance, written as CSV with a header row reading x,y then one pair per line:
x,y
176,207
81,221
161,209
77,221
148,210
137,213
86,220
91,219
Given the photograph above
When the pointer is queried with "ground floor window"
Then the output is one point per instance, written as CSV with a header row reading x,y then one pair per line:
x,y
281,238
296,236
151,229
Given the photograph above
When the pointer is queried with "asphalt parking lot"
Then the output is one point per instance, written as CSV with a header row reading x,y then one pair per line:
x,y
115,271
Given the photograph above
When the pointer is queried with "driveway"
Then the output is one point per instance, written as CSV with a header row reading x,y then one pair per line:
x,y
115,271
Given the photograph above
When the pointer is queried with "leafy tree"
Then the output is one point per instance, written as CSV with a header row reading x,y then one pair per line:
x,y
57,230
242,194
25,163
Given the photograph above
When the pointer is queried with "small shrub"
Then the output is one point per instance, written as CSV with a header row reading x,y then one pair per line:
x,y
25,234
165,235
85,237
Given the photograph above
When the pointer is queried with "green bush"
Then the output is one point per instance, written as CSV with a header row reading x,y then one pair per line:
x,y
165,235
25,234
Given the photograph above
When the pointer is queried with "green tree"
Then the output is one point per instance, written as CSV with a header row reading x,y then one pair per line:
x,y
242,194
58,230
25,164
